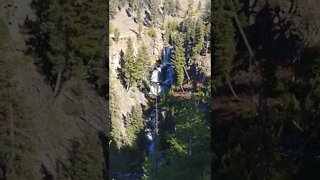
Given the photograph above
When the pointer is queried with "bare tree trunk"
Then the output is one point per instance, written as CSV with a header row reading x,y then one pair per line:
x,y
230,86
128,88
58,82
182,89
246,42
186,73
244,37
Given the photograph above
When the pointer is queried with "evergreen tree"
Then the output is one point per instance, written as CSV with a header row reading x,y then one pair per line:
x,y
199,40
73,37
154,9
88,42
146,167
139,17
178,60
166,36
88,162
56,27
142,64
189,146
115,119
224,45
134,126
17,133
129,64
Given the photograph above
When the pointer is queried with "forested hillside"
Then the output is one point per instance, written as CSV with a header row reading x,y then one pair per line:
x,y
165,136
53,117
265,89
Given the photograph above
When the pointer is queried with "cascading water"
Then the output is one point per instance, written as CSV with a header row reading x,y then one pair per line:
x,y
161,80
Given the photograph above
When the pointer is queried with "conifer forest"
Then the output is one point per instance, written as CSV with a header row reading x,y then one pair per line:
x,y
159,89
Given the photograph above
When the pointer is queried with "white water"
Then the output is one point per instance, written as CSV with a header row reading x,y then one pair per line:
x,y
165,85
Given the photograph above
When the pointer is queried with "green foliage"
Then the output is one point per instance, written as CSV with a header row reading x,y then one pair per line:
x,y
154,9
129,60
188,156
171,28
224,44
88,161
115,119
134,126
146,167
199,39
135,68
178,60
152,33
143,63
72,41
17,133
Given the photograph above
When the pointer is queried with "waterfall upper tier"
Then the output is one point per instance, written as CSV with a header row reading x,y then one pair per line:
x,y
163,75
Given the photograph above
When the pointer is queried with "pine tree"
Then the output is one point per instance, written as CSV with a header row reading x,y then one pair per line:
x,y
88,162
87,40
73,38
199,41
166,36
128,69
139,17
146,167
115,119
178,60
189,146
224,45
134,126
17,135
142,64
154,9
56,27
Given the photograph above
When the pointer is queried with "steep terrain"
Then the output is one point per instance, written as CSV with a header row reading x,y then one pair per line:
x,y
265,95
59,124
125,57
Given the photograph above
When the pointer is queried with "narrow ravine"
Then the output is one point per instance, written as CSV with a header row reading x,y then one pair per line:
x,y
161,81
